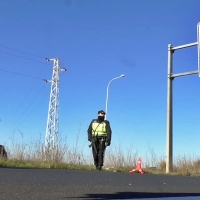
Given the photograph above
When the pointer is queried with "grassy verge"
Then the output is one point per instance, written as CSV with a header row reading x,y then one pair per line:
x,y
32,155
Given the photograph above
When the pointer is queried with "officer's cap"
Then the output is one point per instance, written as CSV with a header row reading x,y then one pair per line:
x,y
102,112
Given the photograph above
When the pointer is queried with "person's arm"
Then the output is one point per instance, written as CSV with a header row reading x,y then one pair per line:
x,y
90,132
109,133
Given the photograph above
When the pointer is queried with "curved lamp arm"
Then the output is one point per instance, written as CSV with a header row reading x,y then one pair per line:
x,y
123,75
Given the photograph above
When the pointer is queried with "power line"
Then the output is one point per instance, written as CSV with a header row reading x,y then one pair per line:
x,y
16,73
22,51
24,57
21,103
31,111
19,118
26,96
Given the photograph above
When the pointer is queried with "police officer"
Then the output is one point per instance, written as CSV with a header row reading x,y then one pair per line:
x,y
99,134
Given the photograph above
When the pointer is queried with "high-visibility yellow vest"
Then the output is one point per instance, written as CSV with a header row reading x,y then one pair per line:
x,y
98,129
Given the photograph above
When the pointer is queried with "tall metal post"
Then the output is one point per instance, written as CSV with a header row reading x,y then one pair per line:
x,y
171,76
169,153
52,128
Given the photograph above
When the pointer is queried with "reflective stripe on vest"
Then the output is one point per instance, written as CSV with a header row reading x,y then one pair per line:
x,y
98,129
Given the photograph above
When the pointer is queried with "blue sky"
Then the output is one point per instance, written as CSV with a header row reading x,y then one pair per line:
x,y
97,40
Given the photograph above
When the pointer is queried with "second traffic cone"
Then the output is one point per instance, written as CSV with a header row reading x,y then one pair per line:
x,y
138,167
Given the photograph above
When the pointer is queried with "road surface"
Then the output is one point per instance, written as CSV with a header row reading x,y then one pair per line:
x,y
54,184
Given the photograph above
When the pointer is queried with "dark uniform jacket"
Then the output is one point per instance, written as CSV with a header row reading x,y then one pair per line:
x,y
108,130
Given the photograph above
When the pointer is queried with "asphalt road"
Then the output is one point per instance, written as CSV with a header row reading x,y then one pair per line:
x,y
53,184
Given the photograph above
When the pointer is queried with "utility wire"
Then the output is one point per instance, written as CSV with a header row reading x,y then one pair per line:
x,y
26,96
28,106
21,51
24,74
20,105
21,74
23,57
31,111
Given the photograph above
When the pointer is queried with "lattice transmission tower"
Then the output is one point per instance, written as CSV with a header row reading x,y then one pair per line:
x,y
52,128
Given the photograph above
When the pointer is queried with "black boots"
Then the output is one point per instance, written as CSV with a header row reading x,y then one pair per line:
x,y
98,168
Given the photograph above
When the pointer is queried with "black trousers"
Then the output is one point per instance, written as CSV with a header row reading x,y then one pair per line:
x,y
98,152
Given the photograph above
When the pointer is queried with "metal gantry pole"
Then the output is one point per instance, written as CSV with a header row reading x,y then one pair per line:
x,y
169,153
170,78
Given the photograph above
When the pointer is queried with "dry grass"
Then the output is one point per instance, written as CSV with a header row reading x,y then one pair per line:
x,y
190,166
34,155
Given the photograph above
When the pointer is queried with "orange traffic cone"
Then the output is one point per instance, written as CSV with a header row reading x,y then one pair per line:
x,y
138,168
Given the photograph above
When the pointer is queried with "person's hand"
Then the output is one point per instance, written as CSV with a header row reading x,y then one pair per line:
x,y
107,143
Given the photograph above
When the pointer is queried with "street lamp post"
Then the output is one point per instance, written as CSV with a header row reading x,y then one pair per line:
x,y
123,75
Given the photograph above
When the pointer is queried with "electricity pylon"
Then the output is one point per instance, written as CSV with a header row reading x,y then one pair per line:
x,y
51,139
